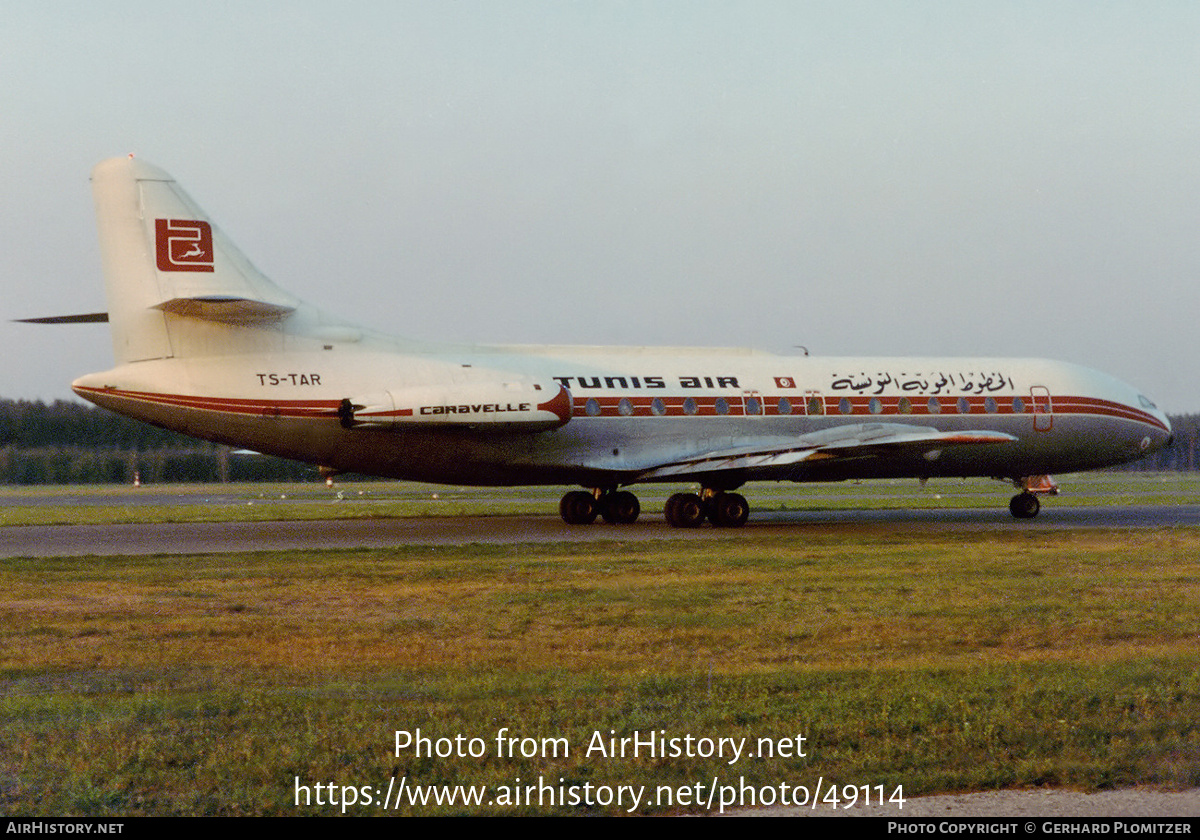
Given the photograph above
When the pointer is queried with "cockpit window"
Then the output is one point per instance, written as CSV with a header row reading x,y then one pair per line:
x,y
1146,402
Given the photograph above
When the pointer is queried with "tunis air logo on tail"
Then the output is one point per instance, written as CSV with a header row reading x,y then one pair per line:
x,y
183,245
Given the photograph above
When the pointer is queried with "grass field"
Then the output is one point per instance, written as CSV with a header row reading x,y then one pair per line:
x,y
275,683
104,504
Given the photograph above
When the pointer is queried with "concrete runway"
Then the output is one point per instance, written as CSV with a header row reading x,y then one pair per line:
x,y
220,537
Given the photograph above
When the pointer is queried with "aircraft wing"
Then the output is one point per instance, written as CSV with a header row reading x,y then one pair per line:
x,y
862,440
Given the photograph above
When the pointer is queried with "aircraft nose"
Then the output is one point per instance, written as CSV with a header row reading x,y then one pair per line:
x,y
1160,438
1161,435
1168,439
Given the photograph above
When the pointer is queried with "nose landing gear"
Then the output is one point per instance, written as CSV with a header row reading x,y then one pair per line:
x,y
1025,505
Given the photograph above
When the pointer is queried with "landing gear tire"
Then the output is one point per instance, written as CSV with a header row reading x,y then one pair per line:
x,y
684,510
728,510
578,508
1024,506
620,508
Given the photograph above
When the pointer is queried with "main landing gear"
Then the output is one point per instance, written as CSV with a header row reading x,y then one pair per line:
x,y
1025,505
724,510
683,510
616,507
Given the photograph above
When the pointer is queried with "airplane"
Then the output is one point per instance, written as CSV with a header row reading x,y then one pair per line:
x,y
206,345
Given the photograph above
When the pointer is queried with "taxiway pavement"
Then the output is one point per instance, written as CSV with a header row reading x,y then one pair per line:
x,y
224,537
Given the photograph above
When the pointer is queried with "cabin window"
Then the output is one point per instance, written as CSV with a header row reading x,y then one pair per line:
x,y
592,407
658,407
989,405
844,405
784,407
934,406
875,406
753,406
815,406
964,406
905,405
689,406
625,407
1018,405
721,405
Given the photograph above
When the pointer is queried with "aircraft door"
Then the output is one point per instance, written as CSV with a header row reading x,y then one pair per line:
x,y
1043,409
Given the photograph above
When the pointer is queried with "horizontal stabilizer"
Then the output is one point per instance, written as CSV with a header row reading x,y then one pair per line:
x,y
90,318
228,310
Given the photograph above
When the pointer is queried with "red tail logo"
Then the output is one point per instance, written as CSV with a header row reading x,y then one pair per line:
x,y
183,245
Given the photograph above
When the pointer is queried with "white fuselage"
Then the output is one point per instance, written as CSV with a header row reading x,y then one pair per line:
x,y
633,409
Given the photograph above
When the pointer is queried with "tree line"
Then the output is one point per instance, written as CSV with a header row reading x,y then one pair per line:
x,y
65,442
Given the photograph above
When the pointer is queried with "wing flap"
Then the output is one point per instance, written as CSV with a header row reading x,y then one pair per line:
x,y
870,440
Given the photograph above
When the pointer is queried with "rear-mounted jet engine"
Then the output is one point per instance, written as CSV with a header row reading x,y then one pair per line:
x,y
504,406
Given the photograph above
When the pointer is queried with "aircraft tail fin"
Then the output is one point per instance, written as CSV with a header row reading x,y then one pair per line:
x,y
175,284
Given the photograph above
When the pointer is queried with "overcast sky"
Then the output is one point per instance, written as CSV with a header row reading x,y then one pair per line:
x,y
906,178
